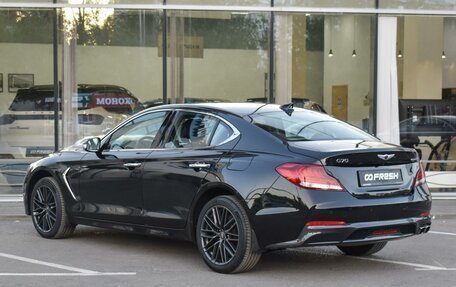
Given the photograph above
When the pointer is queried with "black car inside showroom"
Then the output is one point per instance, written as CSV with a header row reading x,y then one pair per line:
x,y
306,123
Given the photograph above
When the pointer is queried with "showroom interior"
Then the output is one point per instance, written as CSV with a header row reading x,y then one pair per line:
x,y
385,66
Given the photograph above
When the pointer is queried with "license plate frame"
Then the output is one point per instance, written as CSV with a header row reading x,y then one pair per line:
x,y
380,177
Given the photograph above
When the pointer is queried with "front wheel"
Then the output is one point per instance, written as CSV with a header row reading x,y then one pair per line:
x,y
362,250
48,210
224,236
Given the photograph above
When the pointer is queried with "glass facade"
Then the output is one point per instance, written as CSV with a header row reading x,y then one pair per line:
x,y
222,2
326,63
206,51
26,118
327,3
104,64
111,67
427,91
418,4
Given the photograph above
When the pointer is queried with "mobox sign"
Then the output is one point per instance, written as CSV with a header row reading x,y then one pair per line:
x,y
111,100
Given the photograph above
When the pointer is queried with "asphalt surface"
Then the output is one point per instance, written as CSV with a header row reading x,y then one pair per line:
x,y
98,257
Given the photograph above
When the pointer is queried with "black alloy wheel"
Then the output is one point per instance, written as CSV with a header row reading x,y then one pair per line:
x,y
224,236
48,210
44,208
219,234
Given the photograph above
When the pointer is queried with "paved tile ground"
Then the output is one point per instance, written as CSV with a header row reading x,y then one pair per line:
x,y
98,257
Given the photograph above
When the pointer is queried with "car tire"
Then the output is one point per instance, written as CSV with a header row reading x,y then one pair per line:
x,y
49,211
362,250
224,236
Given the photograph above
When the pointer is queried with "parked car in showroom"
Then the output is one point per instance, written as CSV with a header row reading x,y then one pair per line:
x,y
27,128
236,179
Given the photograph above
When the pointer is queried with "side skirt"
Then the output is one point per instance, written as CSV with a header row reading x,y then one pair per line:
x,y
178,234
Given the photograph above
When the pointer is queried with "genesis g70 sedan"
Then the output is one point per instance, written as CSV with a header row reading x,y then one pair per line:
x,y
236,179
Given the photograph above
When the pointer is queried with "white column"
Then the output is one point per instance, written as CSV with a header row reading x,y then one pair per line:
x,y
387,90
283,58
70,124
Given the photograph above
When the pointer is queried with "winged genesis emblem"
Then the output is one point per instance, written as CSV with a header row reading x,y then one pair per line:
x,y
386,156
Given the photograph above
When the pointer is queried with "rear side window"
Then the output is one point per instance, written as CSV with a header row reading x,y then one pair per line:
x,y
197,130
307,126
221,134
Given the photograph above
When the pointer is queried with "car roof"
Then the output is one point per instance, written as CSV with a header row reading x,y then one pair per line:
x,y
239,109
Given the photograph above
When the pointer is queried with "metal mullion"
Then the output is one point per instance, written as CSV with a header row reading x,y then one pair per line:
x,y
55,47
271,55
374,88
165,56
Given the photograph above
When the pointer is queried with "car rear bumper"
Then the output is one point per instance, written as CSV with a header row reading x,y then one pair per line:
x,y
357,233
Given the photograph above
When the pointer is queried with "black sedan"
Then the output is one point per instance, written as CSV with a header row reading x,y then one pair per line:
x,y
237,179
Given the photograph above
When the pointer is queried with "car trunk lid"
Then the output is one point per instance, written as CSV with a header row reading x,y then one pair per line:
x,y
365,169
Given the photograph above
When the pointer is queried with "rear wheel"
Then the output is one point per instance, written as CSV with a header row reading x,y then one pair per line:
x,y
224,236
362,250
48,210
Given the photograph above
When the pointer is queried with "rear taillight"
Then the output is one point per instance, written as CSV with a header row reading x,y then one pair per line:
x,y
425,214
309,176
420,177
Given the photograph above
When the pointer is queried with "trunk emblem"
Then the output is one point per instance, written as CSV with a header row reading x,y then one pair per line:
x,y
386,156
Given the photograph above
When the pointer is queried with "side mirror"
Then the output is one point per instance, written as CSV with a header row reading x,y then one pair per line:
x,y
92,144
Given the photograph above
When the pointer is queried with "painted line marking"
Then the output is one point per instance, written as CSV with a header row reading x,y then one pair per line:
x,y
10,200
49,264
441,269
71,274
416,265
443,233
79,271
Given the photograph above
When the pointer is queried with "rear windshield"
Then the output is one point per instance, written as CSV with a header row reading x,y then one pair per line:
x,y
31,100
303,125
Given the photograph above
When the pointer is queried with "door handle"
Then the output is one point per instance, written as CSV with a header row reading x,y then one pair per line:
x,y
199,165
132,164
